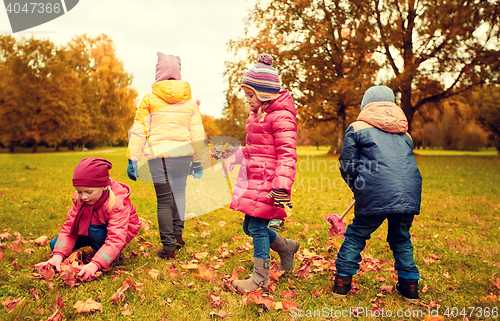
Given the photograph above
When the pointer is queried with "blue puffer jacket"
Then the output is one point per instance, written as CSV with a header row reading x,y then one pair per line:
x,y
378,164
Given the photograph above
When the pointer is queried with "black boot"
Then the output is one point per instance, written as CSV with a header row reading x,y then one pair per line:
x,y
408,289
342,285
180,241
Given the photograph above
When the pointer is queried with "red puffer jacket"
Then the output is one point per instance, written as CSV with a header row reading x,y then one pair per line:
x,y
270,159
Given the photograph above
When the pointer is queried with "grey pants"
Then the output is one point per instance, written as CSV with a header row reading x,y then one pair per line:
x,y
169,178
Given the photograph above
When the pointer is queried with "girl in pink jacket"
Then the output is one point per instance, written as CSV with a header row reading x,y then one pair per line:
x,y
267,170
102,217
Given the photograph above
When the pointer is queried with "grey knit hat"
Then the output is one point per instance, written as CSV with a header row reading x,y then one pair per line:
x,y
377,93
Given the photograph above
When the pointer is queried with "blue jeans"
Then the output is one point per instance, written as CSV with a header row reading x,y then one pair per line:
x,y
95,239
398,236
262,235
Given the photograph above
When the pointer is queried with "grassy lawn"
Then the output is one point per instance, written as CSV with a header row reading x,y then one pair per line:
x,y
456,243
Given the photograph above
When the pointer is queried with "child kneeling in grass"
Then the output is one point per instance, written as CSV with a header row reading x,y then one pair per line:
x,y
102,217
378,164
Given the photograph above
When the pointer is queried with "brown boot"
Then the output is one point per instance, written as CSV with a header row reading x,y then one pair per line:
x,y
286,250
180,242
259,278
164,254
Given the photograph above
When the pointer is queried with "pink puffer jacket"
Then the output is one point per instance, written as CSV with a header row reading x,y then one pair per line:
x,y
123,226
270,158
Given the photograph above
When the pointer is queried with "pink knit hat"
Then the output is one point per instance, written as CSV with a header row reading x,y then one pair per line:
x,y
167,67
92,172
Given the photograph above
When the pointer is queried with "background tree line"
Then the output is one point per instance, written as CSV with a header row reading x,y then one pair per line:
x,y
72,95
441,58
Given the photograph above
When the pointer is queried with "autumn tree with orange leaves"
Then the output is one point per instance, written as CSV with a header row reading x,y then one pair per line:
x,y
328,52
73,95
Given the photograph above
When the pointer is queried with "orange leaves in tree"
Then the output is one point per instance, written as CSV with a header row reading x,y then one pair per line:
x,y
87,306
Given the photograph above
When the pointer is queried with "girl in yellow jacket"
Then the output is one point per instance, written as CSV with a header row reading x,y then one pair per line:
x,y
168,130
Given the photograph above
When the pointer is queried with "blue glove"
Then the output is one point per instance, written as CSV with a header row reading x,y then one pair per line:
x,y
196,170
132,170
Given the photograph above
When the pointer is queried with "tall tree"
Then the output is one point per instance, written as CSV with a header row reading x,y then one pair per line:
x,y
454,43
322,49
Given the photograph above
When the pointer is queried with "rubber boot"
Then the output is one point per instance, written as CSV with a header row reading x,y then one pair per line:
x,y
342,285
408,289
165,254
286,249
258,279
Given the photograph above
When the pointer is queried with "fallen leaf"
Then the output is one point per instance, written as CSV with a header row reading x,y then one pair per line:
x,y
201,255
424,289
304,272
379,278
257,297
190,266
10,305
154,273
438,318
14,264
119,295
275,275
235,276
1,255
205,233
287,295
5,236
446,275
387,288
491,298
216,301
191,284
221,223
497,283
288,305
42,240
87,306
205,274
16,248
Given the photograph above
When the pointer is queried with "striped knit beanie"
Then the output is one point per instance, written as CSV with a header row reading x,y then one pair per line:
x,y
263,79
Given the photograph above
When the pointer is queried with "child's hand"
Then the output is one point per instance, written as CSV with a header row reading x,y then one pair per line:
x,y
280,197
87,270
196,170
55,261
132,170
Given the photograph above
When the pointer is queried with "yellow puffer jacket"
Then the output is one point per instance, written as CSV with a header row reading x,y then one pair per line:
x,y
167,124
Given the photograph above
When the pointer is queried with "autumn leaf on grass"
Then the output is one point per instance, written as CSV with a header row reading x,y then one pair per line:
x,y
154,273
235,276
304,272
16,248
387,288
491,298
119,295
216,301
1,255
201,255
438,318
5,236
257,297
205,233
10,305
47,272
287,295
429,261
275,274
424,289
68,274
87,306
497,284
379,278
42,240
56,316
354,288
205,273
446,275
15,265
288,305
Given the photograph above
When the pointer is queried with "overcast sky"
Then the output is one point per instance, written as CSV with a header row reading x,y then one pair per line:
x,y
195,30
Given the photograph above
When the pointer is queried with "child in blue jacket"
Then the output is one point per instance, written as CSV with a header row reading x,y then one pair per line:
x,y
378,164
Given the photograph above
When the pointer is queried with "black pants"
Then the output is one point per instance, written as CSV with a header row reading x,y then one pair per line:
x,y
169,179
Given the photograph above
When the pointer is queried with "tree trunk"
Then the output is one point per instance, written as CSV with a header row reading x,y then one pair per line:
x,y
57,147
11,146
35,148
406,104
341,115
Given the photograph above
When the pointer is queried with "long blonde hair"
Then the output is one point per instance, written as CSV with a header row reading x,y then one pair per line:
x,y
262,110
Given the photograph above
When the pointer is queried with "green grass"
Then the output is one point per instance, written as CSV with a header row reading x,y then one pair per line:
x,y
459,221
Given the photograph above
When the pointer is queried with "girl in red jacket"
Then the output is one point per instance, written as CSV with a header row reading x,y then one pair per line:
x,y
267,173
102,217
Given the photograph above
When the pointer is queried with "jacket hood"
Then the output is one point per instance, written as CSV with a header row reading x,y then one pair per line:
x,y
386,116
121,190
172,91
283,102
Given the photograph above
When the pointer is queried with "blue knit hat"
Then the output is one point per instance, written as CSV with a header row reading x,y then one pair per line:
x,y
377,93
263,79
